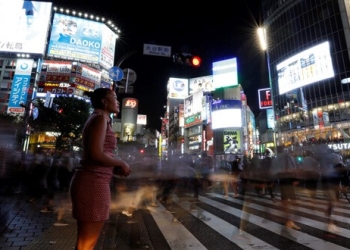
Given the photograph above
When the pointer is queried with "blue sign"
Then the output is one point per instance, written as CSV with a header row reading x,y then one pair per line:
x,y
116,73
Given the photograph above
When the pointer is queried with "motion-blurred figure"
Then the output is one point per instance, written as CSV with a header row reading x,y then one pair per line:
x,y
330,164
310,173
286,168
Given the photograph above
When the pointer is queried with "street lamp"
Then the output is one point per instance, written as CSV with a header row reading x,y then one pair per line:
x,y
264,46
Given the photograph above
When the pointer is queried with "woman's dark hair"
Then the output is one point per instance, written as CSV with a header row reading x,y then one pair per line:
x,y
96,97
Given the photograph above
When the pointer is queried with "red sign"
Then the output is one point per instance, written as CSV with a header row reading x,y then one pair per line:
x,y
130,103
265,98
16,110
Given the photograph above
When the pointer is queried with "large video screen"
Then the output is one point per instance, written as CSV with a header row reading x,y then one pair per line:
x,y
225,73
226,114
24,26
82,40
311,65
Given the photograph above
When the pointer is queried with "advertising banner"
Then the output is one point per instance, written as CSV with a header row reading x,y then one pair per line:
x,y
24,26
265,98
194,104
108,48
320,119
311,65
141,119
128,131
226,114
79,39
204,83
177,88
225,73
232,141
270,118
20,85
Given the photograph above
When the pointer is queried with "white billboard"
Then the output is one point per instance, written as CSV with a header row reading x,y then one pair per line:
x,y
24,26
225,73
309,66
204,83
226,114
82,40
141,119
193,104
177,88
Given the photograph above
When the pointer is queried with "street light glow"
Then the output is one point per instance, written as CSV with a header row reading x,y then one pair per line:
x,y
262,38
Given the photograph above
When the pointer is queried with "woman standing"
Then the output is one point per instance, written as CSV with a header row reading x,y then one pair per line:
x,y
90,186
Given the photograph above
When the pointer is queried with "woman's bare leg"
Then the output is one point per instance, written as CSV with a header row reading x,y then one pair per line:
x,y
88,234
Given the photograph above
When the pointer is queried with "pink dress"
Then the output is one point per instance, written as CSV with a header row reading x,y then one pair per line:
x,y
90,186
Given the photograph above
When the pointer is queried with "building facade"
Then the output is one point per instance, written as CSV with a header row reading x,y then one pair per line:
x,y
309,68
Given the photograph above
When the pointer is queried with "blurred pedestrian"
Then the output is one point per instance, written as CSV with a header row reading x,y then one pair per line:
x,y
245,174
90,186
286,169
310,168
222,175
235,175
37,175
330,165
267,175
207,166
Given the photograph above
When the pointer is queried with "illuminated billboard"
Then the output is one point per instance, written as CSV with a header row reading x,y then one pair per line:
x,y
193,104
226,114
24,26
270,118
225,73
311,65
177,88
265,98
67,74
83,40
231,141
193,109
20,85
204,83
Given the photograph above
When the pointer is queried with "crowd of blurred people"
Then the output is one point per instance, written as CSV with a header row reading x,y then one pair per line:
x,y
44,177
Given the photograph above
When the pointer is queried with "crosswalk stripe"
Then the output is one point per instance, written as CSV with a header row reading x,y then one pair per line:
x,y
231,232
310,216
302,238
177,236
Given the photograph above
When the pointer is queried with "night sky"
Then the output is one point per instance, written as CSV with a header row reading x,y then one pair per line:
x,y
215,31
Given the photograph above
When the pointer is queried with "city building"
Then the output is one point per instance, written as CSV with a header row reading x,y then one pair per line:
x,y
47,52
209,114
308,60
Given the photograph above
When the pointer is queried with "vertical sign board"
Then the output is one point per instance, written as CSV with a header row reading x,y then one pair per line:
x,y
265,98
20,85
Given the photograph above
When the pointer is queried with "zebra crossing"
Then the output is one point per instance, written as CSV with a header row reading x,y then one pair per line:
x,y
217,222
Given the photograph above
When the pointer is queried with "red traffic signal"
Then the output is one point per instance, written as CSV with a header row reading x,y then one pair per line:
x,y
195,61
187,59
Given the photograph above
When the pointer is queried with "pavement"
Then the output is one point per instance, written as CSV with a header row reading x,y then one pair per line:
x,y
23,226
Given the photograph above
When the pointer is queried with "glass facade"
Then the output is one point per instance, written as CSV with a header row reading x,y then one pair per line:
x,y
311,110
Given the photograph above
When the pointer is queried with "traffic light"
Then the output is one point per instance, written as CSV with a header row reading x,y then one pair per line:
x,y
187,59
